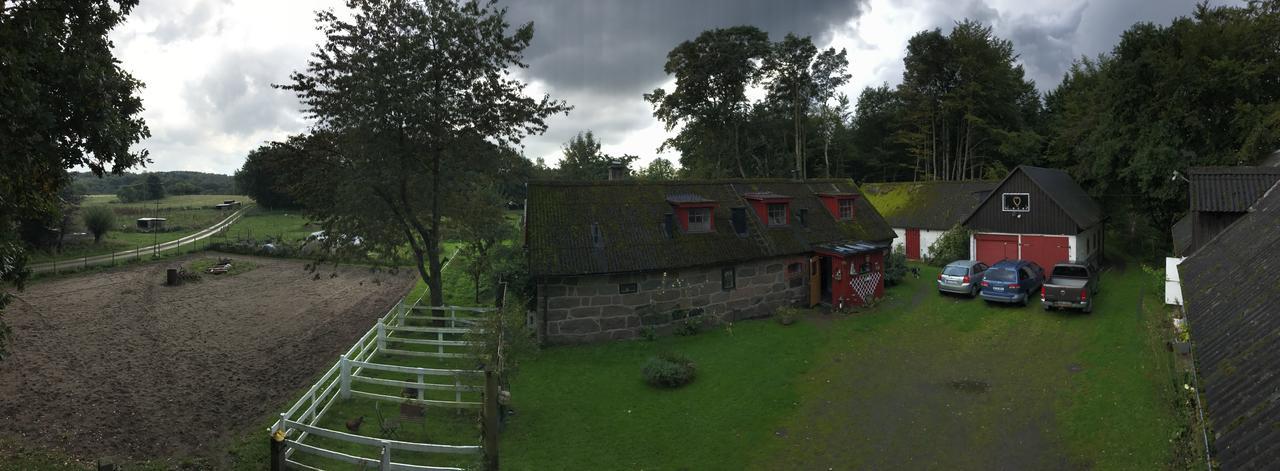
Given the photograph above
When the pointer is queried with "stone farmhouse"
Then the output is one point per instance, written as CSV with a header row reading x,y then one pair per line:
x,y
920,212
610,258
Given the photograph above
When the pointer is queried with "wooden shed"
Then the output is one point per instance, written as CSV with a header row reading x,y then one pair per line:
x,y
1036,214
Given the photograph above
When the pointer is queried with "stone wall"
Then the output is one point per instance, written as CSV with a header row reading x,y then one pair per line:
x,y
596,308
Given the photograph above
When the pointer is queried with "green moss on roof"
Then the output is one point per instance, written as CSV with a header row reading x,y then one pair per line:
x,y
927,205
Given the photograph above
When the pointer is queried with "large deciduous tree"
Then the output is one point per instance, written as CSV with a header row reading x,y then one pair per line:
x,y
64,103
966,104
802,80
401,93
583,159
259,177
712,73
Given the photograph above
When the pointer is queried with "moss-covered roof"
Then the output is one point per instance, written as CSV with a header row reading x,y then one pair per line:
x,y
1231,286
927,205
630,216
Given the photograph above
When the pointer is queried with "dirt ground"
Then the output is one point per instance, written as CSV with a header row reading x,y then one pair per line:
x,y
114,364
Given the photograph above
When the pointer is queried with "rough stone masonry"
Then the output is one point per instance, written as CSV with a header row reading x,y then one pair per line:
x,y
582,309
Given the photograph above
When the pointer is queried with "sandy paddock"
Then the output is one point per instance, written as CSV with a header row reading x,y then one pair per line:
x,y
115,364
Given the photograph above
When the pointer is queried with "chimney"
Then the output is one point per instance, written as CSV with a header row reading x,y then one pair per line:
x,y
617,171
738,217
669,225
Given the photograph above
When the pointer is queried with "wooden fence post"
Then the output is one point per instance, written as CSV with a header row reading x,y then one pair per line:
x,y
382,336
344,377
422,390
277,445
490,420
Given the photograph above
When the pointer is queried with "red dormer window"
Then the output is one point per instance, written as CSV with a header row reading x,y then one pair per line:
x,y
773,209
840,205
694,213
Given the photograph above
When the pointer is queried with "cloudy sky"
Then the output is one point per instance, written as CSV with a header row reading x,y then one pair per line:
x,y
208,65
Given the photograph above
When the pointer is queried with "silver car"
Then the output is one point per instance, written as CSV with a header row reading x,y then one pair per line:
x,y
962,276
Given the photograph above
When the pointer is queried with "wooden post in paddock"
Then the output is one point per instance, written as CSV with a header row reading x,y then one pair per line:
x,y
490,420
277,450
344,378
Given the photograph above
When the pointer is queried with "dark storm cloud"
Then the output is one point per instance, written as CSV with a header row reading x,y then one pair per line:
x,y
236,97
618,47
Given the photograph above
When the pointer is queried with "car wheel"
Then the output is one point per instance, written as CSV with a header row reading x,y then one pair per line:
x,y
973,293
1048,308
1088,309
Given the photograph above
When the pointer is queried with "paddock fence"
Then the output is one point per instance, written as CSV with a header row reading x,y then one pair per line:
x,y
408,331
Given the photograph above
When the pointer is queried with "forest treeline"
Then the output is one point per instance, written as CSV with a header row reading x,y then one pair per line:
x,y
175,183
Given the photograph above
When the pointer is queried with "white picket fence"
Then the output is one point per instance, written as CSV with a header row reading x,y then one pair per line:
x,y
300,421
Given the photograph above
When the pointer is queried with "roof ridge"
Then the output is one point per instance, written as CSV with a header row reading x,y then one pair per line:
x,y
709,182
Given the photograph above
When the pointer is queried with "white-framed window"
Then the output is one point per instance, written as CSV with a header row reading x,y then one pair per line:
x,y
777,214
699,219
1015,202
846,209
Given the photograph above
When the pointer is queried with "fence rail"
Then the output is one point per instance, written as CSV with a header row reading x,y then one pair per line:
x,y
300,420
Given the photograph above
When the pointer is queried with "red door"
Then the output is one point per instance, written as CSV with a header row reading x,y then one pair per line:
x,y
1045,250
913,244
993,248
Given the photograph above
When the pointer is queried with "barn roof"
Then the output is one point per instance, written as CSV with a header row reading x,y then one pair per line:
x,y
1062,189
1229,189
927,205
629,215
1181,232
1232,287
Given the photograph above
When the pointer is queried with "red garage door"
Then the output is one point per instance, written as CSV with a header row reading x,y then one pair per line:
x,y
993,248
1045,250
913,244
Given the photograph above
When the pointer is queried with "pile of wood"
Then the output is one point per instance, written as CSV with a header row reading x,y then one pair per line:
x,y
223,266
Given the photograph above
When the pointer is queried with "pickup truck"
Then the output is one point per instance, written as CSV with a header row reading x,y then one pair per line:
x,y
1070,285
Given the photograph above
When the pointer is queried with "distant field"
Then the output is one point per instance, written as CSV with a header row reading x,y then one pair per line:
x,y
259,223
184,214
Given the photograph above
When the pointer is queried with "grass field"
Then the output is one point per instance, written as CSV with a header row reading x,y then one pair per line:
x,y
921,381
184,214
260,224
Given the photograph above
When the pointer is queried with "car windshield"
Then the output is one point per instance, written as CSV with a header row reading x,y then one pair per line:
x,y
955,271
1070,271
1003,274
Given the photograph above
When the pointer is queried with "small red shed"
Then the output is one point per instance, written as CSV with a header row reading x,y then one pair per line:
x,y
851,274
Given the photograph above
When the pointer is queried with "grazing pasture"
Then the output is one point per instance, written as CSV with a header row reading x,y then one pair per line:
x,y
115,364
184,214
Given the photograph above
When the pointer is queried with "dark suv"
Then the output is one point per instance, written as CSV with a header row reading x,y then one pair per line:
x,y
1012,281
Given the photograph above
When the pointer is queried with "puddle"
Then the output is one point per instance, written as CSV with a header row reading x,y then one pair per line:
x,y
969,386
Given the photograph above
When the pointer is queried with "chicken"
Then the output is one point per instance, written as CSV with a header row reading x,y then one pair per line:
x,y
354,424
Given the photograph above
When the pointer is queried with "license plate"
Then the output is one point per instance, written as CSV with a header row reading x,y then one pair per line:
x,y
997,288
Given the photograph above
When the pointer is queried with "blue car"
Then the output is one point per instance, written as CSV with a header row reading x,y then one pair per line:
x,y
1012,281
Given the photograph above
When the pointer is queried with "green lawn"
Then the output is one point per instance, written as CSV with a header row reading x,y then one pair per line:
x,y
260,224
921,381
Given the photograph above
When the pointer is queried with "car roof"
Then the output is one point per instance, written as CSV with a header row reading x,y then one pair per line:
x,y
1013,264
963,263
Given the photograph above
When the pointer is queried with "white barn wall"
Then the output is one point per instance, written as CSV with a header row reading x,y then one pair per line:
x,y
927,238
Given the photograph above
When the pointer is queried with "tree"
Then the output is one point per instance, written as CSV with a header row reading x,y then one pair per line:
x,y
1199,91
482,226
155,187
801,78
259,178
98,220
659,169
64,103
401,94
712,74
877,154
583,159
966,104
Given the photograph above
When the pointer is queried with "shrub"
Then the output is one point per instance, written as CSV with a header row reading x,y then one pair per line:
x,y
688,326
787,315
649,332
952,245
98,220
895,267
669,370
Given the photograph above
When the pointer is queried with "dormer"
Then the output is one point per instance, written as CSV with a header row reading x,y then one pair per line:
x,y
840,205
772,208
694,213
